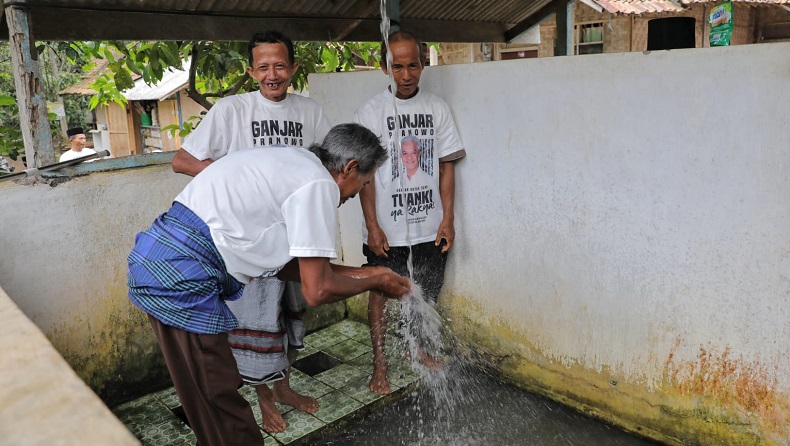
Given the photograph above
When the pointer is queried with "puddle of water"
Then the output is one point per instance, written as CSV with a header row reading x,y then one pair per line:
x,y
482,410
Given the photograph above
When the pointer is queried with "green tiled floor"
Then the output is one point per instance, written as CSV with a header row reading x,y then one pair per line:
x,y
342,391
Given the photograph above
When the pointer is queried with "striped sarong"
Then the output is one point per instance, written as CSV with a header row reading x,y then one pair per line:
x,y
260,344
177,275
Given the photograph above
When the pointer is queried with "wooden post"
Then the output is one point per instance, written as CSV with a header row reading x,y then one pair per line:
x,y
33,114
564,18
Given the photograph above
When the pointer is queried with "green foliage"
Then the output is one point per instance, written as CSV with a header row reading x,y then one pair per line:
x,y
220,67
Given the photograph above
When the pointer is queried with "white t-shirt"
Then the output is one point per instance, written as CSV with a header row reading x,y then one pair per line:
x,y
250,120
265,207
427,117
72,154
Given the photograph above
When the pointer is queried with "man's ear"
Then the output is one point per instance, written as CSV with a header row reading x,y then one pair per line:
x,y
249,71
384,68
348,168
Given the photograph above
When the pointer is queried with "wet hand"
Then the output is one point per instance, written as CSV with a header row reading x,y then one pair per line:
x,y
394,286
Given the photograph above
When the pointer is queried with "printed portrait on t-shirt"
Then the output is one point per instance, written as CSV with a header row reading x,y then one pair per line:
x,y
415,185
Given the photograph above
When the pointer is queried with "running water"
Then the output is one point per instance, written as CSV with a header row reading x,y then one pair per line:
x,y
420,327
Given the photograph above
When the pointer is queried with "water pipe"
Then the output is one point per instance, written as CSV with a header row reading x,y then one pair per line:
x,y
27,173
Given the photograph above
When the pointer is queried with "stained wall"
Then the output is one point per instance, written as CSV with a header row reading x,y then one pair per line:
x,y
622,237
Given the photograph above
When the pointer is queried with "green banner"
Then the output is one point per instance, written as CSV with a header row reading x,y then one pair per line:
x,y
720,20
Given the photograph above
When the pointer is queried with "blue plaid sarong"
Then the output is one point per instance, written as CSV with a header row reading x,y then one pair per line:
x,y
177,275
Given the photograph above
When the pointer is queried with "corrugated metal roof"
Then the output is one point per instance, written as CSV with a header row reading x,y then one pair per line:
x,y
172,81
356,20
435,20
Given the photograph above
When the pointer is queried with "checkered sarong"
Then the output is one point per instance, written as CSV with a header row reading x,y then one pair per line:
x,y
177,275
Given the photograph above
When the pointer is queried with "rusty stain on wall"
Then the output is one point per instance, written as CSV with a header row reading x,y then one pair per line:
x,y
724,379
677,414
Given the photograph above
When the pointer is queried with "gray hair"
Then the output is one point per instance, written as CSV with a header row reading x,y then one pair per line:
x,y
411,138
346,142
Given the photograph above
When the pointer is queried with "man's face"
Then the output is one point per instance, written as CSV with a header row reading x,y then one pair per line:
x,y
272,70
406,68
410,154
351,184
78,142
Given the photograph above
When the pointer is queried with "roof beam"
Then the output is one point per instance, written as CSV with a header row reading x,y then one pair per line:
x,y
341,32
126,25
540,15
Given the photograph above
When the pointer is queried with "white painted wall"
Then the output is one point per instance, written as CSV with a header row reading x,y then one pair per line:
x,y
64,252
612,204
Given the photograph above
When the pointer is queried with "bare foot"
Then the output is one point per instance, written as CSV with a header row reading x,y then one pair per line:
x,y
427,360
379,382
272,420
283,393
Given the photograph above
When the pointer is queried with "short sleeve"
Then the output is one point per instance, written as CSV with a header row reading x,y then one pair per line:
x,y
210,139
310,216
447,134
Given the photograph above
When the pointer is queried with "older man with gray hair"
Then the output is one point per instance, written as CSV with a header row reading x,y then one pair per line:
x,y
249,214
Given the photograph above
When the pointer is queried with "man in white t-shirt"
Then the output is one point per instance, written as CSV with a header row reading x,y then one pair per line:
x,y
253,213
262,119
77,142
401,216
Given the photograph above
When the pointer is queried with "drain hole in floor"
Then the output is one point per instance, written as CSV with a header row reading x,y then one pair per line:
x,y
316,363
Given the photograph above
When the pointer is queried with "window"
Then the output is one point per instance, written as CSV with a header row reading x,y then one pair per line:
x,y
588,38
670,33
518,53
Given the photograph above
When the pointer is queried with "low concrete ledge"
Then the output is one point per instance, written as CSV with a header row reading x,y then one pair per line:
x,y
43,401
108,164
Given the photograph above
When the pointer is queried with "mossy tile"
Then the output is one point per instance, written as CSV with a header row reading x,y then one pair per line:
x,y
360,391
347,350
299,425
334,331
173,432
353,329
256,412
298,376
168,397
364,339
364,362
401,375
311,387
308,350
341,375
249,394
141,413
323,339
335,405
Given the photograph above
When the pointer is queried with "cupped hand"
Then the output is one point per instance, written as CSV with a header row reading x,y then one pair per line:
x,y
394,286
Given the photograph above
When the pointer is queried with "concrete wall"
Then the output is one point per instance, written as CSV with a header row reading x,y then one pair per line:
x,y
64,265
623,243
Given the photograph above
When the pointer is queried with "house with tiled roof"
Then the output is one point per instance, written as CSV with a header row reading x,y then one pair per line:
x,y
614,26
136,127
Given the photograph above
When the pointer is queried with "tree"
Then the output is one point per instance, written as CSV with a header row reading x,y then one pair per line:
x,y
61,64
217,69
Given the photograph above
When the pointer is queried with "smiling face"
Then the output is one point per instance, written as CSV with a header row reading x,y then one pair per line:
x,y
272,70
410,154
406,67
